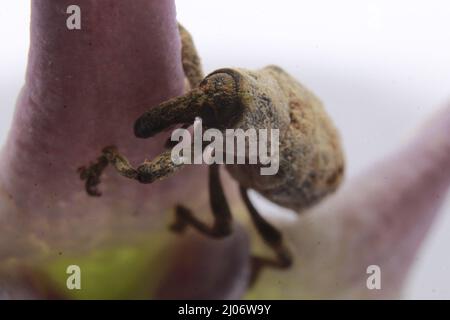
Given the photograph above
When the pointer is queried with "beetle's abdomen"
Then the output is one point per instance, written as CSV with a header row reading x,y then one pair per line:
x,y
311,160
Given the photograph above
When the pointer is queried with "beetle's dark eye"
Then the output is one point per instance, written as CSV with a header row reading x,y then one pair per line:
x,y
223,105
219,82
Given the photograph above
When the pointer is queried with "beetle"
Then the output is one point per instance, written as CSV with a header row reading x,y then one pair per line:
x,y
311,160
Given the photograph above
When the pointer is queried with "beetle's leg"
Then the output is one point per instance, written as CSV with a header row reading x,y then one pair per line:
x,y
190,59
160,167
258,264
271,236
219,206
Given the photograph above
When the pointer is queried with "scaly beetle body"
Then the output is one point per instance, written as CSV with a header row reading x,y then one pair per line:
x,y
311,159
311,162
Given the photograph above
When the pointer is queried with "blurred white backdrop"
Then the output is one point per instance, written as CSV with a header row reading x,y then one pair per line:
x,y
381,67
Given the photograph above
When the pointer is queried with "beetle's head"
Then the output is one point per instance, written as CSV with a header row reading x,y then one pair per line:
x,y
221,107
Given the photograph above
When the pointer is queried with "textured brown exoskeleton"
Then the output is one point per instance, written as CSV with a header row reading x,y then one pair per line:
x,y
311,162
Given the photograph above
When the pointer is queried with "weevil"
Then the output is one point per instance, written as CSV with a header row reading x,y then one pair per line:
x,y
311,161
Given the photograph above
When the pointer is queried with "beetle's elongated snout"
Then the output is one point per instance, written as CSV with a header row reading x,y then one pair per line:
x,y
216,101
178,110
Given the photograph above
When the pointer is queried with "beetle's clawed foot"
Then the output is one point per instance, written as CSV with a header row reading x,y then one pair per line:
x,y
284,258
221,228
180,224
283,261
92,173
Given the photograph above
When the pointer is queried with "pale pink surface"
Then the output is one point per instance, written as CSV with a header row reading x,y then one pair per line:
x,y
84,89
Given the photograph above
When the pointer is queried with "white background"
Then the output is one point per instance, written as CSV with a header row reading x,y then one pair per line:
x,y
380,67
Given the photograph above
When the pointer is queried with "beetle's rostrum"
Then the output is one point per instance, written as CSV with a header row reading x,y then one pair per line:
x,y
311,161
216,101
